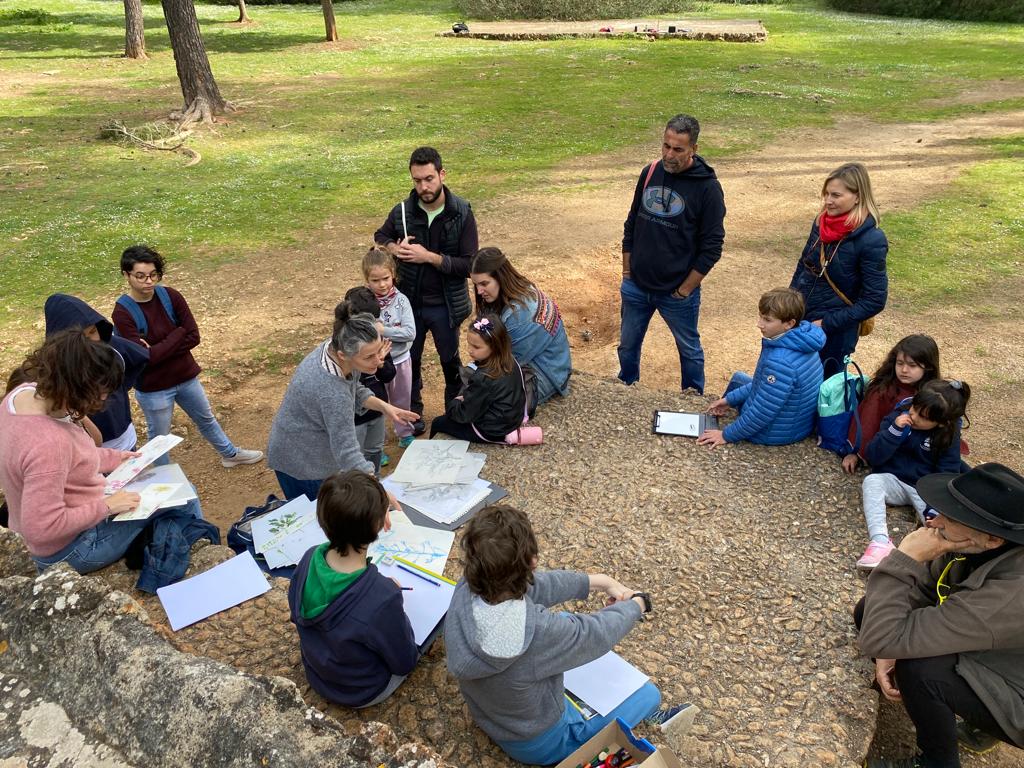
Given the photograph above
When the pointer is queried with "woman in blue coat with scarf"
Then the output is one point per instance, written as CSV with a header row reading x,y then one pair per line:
x,y
531,318
842,273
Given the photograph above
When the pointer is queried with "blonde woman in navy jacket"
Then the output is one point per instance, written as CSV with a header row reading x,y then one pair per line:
x,y
847,247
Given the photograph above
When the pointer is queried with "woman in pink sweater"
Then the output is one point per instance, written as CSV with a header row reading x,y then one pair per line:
x,y
50,469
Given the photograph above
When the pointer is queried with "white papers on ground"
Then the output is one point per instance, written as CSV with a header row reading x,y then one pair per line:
x,y
166,474
223,586
605,682
443,503
286,534
418,544
431,461
425,604
129,468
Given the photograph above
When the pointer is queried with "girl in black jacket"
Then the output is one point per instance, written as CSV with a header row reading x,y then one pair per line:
x,y
493,397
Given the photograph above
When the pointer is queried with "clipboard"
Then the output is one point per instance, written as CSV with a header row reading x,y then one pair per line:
x,y
682,423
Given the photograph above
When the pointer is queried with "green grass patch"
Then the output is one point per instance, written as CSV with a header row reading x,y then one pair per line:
x,y
326,130
967,244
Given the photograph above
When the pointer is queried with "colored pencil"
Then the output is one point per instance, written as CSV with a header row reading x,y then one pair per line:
x,y
424,570
418,575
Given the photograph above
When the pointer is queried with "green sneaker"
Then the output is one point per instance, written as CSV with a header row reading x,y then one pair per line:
x,y
384,460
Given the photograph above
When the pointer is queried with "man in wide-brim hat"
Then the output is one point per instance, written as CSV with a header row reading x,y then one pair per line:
x,y
944,615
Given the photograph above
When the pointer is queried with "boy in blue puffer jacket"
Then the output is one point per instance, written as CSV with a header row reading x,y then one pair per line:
x,y
777,404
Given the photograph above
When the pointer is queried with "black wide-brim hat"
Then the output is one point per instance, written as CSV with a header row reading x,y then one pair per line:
x,y
988,498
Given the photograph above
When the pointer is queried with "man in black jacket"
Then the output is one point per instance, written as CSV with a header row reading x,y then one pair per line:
x,y
432,235
672,238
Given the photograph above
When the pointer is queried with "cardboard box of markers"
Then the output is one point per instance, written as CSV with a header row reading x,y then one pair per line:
x,y
614,746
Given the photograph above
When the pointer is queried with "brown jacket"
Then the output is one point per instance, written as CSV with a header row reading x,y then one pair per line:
x,y
982,621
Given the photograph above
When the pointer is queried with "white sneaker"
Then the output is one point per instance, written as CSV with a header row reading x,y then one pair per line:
x,y
242,456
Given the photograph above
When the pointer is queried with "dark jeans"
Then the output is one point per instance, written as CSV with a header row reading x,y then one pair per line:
x,y
434,318
933,695
460,431
292,487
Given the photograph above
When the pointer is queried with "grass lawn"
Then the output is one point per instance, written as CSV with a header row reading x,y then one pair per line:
x,y
326,129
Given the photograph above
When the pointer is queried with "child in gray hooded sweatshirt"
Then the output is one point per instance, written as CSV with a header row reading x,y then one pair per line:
x,y
509,652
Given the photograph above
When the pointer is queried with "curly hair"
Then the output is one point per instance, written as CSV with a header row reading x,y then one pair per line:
x,y
501,550
74,373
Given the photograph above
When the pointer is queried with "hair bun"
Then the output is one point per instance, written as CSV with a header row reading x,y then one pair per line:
x,y
343,311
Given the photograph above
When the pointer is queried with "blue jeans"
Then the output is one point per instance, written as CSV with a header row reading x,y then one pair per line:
x,y
158,408
739,379
292,487
680,315
103,544
572,731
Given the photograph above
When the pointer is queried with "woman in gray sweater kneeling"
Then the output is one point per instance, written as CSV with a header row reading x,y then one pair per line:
x,y
313,434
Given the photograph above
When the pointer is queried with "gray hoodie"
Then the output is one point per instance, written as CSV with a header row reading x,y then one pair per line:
x,y
509,658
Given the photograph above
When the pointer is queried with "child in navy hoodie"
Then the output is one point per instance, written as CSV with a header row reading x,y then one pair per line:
x,y
920,436
356,641
778,403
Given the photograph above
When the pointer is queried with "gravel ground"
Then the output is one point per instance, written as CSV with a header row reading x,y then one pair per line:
x,y
747,551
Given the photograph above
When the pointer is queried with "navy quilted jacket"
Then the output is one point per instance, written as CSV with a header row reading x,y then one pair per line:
x,y
779,405
858,270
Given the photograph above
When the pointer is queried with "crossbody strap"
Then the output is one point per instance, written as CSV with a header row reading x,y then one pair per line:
x,y
650,172
824,271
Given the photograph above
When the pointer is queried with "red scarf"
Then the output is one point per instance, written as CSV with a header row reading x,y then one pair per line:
x,y
831,229
384,300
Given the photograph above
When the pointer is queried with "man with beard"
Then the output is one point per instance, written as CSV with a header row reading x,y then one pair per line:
x,y
432,235
672,238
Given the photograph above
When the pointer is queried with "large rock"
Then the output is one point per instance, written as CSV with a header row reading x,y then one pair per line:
x,y
94,679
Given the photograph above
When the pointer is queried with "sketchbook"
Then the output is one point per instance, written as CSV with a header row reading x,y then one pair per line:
x,y
605,682
129,468
682,424
496,494
166,474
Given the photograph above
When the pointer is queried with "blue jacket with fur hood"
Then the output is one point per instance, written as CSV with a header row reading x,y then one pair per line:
x,y
779,405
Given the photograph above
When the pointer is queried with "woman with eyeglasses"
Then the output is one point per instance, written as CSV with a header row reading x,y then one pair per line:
x,y
842,273
314,433
531,318
159,319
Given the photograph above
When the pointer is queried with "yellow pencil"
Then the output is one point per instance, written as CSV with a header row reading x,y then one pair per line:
x,y
427,571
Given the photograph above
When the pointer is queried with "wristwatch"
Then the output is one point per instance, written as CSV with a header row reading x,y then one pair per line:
x,y
648,605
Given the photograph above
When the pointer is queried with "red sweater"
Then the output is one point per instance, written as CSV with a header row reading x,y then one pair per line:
x,y
50,473
876,406
170,346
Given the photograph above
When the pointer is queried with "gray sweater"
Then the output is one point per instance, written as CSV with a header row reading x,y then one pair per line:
x,y
509,658
313,434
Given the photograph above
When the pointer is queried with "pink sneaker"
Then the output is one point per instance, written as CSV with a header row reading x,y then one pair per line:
x,y
874,554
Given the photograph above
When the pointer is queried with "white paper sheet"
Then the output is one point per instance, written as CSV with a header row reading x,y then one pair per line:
x,y
151,498
443,503
472,465
685,424
223,586
431,461
425,604
284,535
167,474
424,546
128,469
606,682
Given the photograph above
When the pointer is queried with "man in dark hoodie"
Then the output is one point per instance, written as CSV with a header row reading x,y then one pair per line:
x,y
672,238
115,420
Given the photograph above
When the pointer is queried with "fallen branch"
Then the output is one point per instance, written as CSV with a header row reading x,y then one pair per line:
x,y
162,136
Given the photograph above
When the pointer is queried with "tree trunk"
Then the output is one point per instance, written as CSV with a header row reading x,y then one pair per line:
x,y
243,16
134,31
202,96
332,28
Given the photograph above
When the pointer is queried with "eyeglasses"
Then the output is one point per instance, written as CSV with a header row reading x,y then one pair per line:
x,y
942,589
147,277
